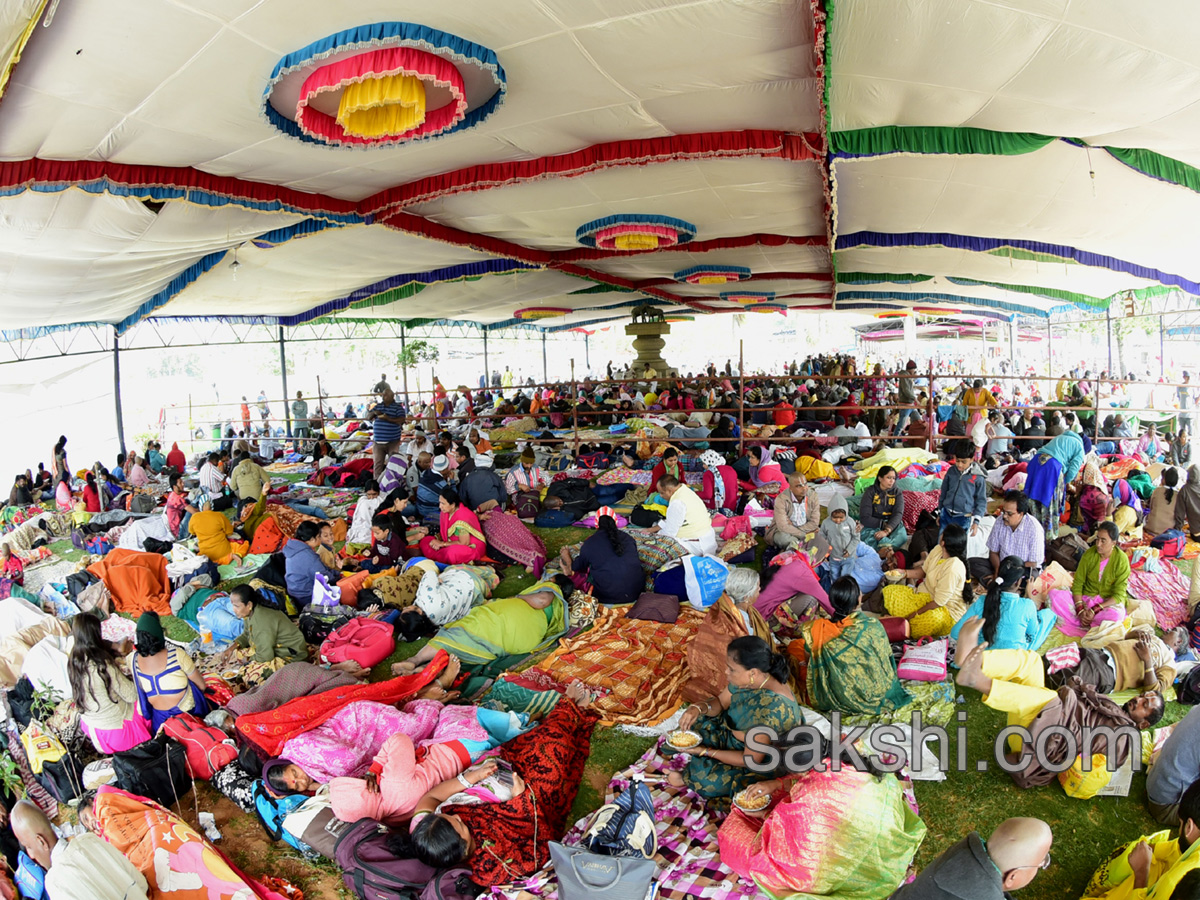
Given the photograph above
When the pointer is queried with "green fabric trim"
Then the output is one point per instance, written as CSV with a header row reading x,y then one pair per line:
x,y
1158,166
1071,296
936,139
603,289
1016,253
881,277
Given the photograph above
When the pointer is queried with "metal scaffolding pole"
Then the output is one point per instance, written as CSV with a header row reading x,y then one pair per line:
x,y
404,367
487,372
1162,350
117,389
545,368
1108,329
587,352
287,407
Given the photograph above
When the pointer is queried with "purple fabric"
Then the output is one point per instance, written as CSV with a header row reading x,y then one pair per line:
x,y
347,742
983,245
794,578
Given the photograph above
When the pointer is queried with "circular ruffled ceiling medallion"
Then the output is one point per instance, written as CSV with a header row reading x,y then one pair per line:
x,y
712,274
767,308
540,312
383,84
635,232
748,297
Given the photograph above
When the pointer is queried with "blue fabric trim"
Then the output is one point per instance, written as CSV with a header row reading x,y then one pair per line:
x,y
388,34
585,232
983,245
301,229
922,298
682,274
450,273
39,331
174,286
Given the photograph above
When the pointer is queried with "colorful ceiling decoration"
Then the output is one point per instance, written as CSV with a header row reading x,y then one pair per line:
x,y
748,297
712,274
767,308
630,232
532,313
1003,163
681,319
383,84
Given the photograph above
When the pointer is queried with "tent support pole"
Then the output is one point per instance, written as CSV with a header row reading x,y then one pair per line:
x,y
930,411
1162,350
574,411
487,372
1108,330
741,397
587,352
287,408
545,367
1012,346
1049,347
117,389
404,367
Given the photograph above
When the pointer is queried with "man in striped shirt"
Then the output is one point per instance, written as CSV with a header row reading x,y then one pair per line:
x,y
387,423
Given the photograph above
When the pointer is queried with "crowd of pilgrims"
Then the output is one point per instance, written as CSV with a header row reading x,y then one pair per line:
x,y
447,500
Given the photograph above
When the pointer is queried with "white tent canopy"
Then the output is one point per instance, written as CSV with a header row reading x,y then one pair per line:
x,y
1006,156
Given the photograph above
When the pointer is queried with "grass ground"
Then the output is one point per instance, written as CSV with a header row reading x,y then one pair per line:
x,y
1084,831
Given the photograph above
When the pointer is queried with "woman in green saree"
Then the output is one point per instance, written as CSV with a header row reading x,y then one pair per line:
x,y
850,663
757,695
510,626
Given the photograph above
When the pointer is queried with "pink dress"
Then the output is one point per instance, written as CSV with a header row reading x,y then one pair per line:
x,y
1063,604
347,742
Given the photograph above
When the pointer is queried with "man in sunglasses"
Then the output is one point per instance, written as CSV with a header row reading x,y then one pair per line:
x,y
1016,534
973,868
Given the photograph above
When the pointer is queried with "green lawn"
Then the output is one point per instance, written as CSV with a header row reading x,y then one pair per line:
x,y
1084,831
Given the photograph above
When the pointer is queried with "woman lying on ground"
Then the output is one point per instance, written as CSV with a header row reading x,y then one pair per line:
x,y
509,626
499,819
757,695
850,664
401,774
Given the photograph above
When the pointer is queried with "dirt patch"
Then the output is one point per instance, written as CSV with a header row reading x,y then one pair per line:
x,y
245,842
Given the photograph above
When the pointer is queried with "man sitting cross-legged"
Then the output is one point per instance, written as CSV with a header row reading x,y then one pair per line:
x,y
1014,681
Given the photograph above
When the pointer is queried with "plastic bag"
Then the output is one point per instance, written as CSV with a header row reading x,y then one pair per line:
x,y
704,578
325,594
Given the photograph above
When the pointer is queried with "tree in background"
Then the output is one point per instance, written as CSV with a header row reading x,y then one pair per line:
x,y
413,354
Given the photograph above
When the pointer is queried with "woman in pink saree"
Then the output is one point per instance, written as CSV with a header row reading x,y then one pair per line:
x,y
462,539
828,834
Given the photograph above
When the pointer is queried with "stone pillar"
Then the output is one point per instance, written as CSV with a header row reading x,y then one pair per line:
x,y
648,342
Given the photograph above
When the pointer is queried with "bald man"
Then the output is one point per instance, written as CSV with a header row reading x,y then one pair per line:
x,y
973,870
84,868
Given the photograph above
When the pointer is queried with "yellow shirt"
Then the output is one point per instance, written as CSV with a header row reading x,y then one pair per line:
x,y
212,530
944,580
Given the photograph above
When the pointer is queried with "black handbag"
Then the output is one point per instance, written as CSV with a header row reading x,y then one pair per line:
x,y
156,769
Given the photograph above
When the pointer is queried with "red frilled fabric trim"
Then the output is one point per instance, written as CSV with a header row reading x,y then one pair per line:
x,y
764,276
766,144
154,181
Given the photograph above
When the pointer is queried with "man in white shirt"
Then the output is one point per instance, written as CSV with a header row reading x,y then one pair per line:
x,y
212,479
418,445
84,868
688,520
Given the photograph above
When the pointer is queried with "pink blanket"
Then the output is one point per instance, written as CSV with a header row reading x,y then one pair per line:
x,y
1167,591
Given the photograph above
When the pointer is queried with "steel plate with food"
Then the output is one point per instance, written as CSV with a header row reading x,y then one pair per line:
x,y
683,740
746,802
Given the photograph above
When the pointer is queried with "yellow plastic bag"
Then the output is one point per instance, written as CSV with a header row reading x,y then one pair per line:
x,y
1084,785
41,746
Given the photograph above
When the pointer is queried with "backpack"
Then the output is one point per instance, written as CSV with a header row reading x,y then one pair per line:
x,y
576,494
624,827
1066,551
1169,544
142,503
271,813
366,641
451,884
62,779
370,869
1187,688
98,545
30,878
317,623
208,751
156,769
313,824
555,518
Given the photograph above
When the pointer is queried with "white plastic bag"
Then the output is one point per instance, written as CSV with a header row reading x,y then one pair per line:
x,y
704,578
325,594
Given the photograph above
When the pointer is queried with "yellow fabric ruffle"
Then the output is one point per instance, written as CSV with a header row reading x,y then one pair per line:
x,y
380,107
